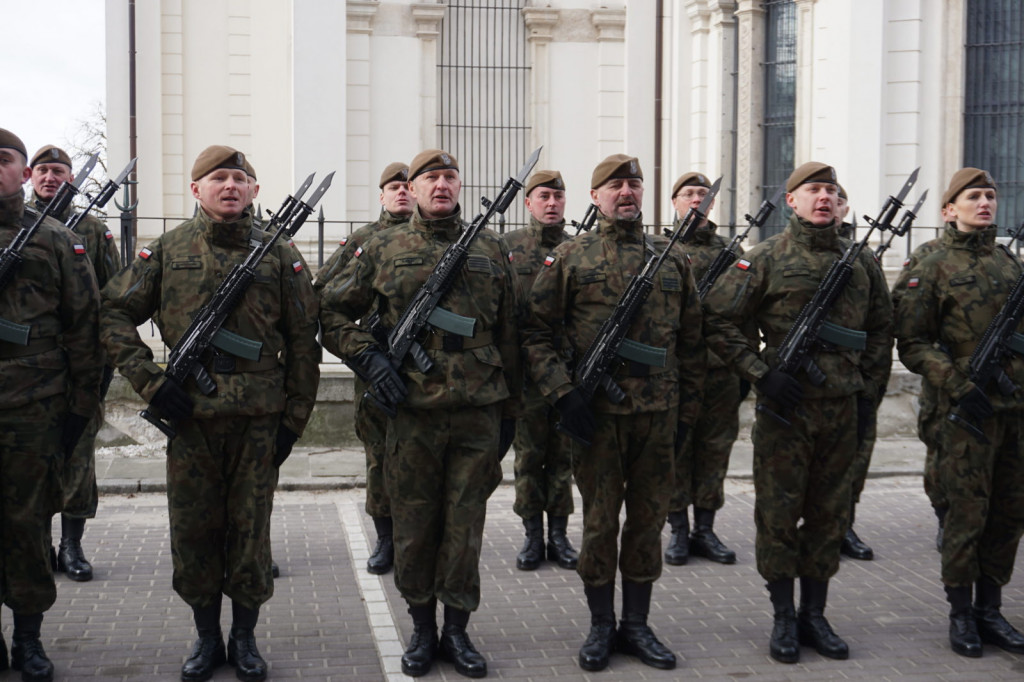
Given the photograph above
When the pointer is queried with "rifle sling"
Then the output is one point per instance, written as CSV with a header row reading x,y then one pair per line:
x,y
454,342
9,351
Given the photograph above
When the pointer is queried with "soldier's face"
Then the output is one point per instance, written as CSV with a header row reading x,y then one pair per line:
x,y
974,209
396,198
437,192
815,202
223,193
620,198
547,205
48,177
13,171
690,196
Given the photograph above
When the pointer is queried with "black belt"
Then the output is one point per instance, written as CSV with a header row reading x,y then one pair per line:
x,y
9,351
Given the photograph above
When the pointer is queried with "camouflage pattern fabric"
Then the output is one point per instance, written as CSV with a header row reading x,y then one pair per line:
x,y
336,262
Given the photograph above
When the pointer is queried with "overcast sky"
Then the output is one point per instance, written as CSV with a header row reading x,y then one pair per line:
x,y
53,63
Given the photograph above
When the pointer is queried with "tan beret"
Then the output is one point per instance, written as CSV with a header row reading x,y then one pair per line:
x,y
217,156
965,178
9,140
545,178
396,171
692,178
812,171
616,166
431,159
51,154
842,192
249,170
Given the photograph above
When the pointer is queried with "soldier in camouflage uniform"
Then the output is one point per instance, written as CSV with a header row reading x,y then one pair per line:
x,y
453,423
50,369
371,423
946,303
222,465
51,166
543,468
802,471
632,444
703,460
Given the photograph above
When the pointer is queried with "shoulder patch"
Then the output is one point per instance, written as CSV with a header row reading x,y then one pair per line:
x,y
343,241
108,234
79,249
511,258
145,253
549,261
913,282
743,264
297,266
359,252
906,262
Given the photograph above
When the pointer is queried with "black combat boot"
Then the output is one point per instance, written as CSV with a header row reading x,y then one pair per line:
x,y
704,542
27,653
785,643
678,551
560,550
635,637
992,627
940,514
963,629
242,651
532,553
422,650
70,558
208,651
455,646
852,546
596,651
812,626
383,557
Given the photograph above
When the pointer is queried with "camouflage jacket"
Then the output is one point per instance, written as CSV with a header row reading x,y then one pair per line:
x,y
99,242
389,269
173,276
54,293
773,282
528,246
348,245
946,302
579,287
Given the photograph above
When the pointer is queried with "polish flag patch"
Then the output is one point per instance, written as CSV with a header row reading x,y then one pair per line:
x,y
549,260
914,282
79,249
145,254
297,266
743,264
108,234
510,257
906,262
344,240
359,252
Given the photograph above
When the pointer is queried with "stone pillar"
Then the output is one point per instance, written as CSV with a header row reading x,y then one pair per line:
x,y
611,80
539,23
359,15
804,119
428,18
750,32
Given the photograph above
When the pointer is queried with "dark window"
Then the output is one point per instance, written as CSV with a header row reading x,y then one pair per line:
x,y
483,84
779,102
994,100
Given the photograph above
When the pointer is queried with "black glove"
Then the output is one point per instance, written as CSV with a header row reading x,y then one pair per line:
x,y
283,444
506,435
782,388
976,404
74,427
744,389
865,415
386,382
682,429
171,400
577,419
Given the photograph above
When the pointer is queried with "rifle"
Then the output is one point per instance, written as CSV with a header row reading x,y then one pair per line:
x,y
424,308
727,255
996,345
610,343
101,199
899,230
190,352
811,329
589,218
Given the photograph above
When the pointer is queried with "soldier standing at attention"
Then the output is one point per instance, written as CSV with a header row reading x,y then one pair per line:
x,y
50,366
453,423
51,167
371,423
543,468
802,471
703,460
222,465
634,442
946,303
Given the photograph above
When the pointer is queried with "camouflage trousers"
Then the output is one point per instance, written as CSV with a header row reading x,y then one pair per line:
x,y
934,409
862,461
802,472
703,461
543,466
985,488
441,467
80,495
220,492
629,462
30,494
372,429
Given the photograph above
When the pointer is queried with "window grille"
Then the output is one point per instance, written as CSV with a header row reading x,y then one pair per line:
x,y
779,103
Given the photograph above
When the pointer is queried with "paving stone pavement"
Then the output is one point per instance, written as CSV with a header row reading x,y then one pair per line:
x,y
330,620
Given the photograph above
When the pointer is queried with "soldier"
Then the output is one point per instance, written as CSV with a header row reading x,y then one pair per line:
x,y
51,166
444,444
946,303
222,465
802,471
50,368
633,442
543,468
704,458
371,423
